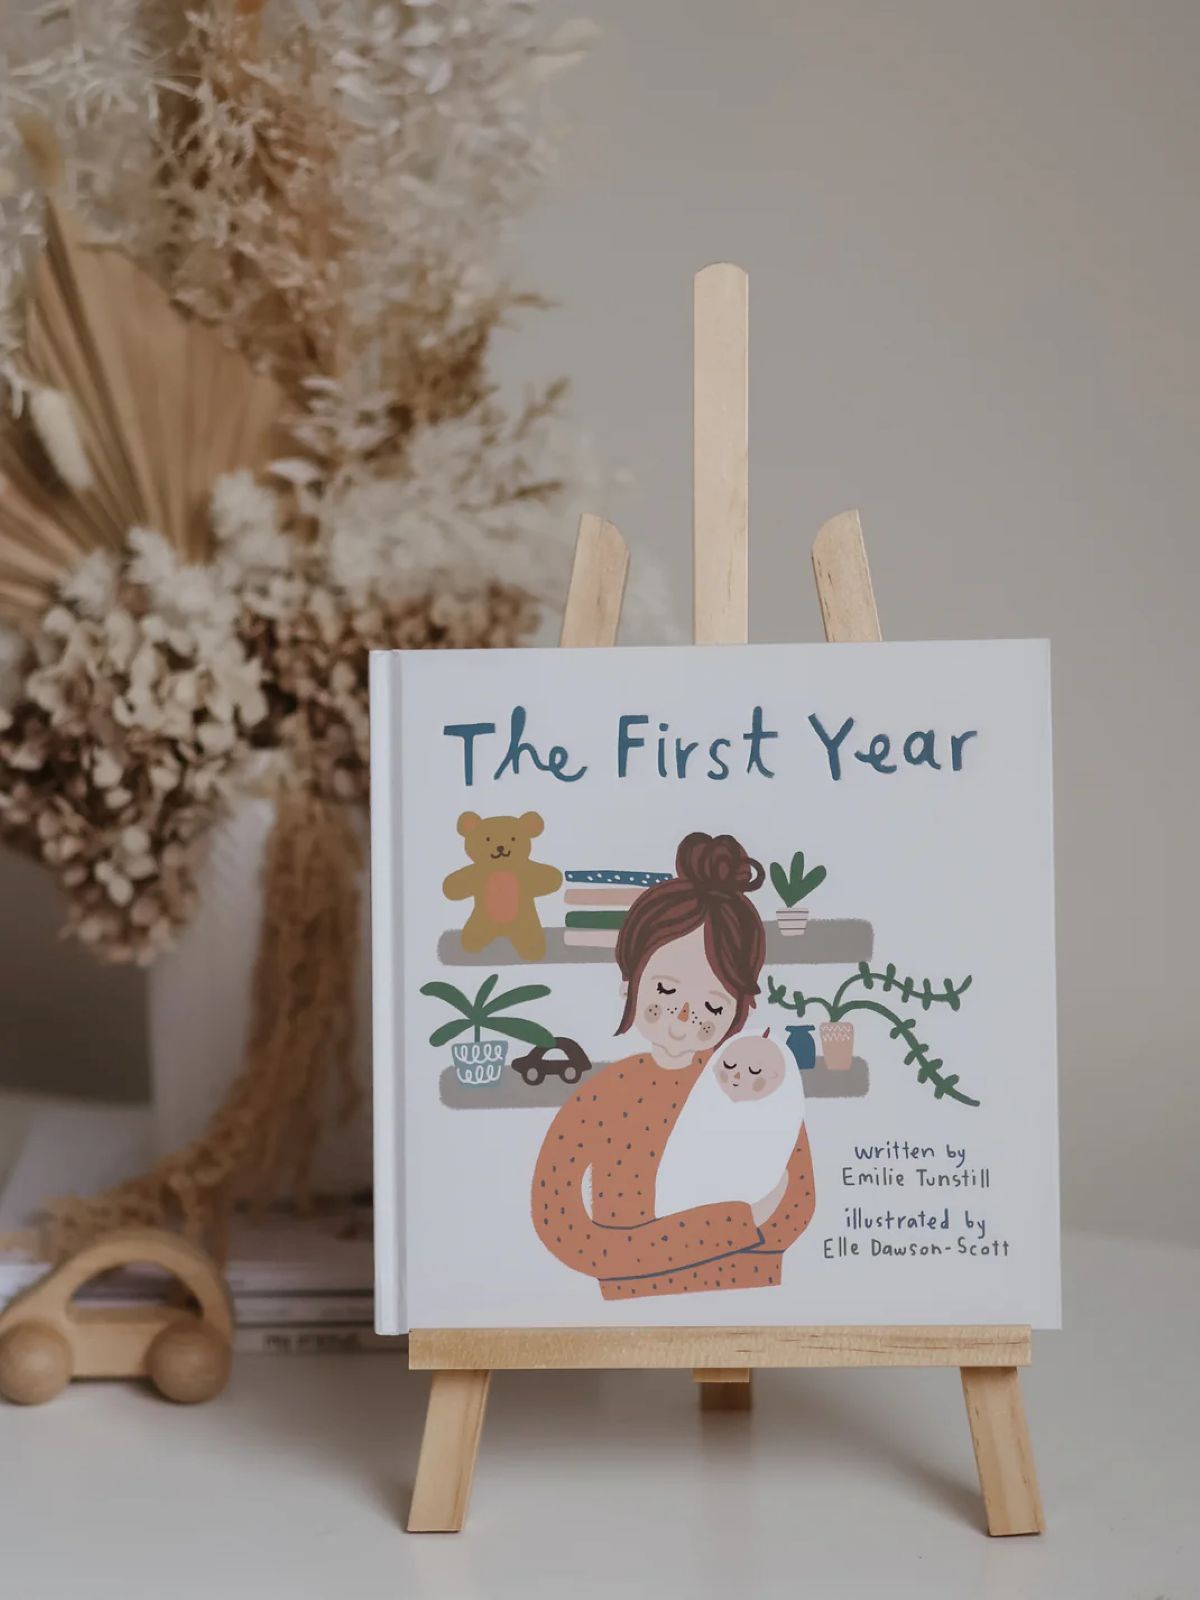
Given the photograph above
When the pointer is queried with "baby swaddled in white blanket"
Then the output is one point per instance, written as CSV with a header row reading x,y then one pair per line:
x,y
737,1130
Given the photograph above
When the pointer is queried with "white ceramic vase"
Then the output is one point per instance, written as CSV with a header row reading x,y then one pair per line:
x,y
199,1005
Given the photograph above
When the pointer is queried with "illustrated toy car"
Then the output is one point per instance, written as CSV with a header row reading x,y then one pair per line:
x,y
540,1063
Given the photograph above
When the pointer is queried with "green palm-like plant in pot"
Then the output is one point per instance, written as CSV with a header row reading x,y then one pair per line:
x,y
793,886
479,1061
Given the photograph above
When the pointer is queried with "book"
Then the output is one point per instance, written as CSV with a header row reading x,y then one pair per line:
x,y
616,877
316,1341
595,919
622,898
564,1141
284,1268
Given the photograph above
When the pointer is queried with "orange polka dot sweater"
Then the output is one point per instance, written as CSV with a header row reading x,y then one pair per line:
x,y
617,1123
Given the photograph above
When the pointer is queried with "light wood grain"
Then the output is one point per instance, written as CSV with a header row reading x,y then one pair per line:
x,y
720,463
1003,1454
839,558
186,1355
593,610
536,1348
724,1388
449,1446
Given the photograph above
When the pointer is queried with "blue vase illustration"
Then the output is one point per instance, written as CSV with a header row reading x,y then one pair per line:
x,y
802,1044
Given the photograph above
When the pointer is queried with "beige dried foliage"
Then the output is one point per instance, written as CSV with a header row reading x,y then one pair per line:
x,y
136,711
249,139
134,410
297,1076
248,284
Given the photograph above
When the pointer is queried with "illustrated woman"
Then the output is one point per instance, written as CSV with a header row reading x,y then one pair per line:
x,y
690,953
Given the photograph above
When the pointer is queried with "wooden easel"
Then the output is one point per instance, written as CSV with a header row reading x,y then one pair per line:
x,y
722,1359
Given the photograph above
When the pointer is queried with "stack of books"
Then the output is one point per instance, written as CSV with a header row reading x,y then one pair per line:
x,y
300,1282
600,902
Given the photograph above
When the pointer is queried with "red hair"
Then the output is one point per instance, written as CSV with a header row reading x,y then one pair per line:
x,y
713,878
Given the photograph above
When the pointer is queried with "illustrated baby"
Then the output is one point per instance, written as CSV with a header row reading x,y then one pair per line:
x,y
737,1129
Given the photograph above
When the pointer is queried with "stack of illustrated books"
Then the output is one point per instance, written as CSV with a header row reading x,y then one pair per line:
x,y
598,903
299,1283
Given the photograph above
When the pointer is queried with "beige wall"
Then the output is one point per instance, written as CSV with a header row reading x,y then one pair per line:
x,y
974,236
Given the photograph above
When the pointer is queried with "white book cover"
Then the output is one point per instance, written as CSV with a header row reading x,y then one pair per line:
x,y
714,986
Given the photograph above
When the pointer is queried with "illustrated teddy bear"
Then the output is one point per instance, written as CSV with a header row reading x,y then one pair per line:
x,y
503,882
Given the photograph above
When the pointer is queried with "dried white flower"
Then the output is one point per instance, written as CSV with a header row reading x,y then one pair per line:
x,y
53,418
92,585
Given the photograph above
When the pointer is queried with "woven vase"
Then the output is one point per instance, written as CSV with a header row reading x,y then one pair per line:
x,y
837,1045
199,1005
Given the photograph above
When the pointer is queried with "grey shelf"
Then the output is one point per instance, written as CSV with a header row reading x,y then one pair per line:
x,y
512,1093
828,942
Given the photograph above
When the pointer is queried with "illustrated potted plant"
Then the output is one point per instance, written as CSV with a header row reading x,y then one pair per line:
x,y
793,886
479,1061
837,1035
837,1045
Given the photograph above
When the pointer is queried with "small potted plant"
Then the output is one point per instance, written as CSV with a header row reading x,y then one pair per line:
x,y
837,1035
793,886
479,1061
837,1045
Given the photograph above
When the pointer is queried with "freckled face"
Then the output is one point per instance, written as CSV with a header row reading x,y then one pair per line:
x,y
749,1069
681,1007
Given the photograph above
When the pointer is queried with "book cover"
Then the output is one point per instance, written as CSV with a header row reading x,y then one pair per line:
x,y
714,986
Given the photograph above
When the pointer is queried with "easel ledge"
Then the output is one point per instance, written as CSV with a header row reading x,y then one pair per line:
x,y
533,1349
722,1359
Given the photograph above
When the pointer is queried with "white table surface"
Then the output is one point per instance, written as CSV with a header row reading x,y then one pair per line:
x,y
296,1481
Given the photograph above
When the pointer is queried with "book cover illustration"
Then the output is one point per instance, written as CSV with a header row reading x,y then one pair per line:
x,y
691,1013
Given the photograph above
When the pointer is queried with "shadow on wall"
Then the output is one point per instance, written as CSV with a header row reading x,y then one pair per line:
x,y
68,1024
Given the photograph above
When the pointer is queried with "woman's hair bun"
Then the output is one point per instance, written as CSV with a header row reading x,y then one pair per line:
x,y
717,865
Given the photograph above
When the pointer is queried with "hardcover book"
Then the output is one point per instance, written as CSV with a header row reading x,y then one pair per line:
x,y
714,985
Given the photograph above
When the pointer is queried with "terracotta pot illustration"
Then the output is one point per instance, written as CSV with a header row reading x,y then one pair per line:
x,y
792,920
837,1045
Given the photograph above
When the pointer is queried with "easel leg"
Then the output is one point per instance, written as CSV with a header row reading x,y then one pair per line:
x,y
724,1388
448,1449
1003,1455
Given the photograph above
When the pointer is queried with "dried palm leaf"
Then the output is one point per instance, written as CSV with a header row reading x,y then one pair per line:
x,y
135,410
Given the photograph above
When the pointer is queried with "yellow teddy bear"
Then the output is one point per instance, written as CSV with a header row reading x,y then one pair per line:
x,y
503,882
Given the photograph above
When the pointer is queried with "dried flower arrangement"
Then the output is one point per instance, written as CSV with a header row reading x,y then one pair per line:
x,y
247,292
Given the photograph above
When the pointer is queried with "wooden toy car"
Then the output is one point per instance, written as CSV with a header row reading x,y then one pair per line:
x,y
538,1064
45,1341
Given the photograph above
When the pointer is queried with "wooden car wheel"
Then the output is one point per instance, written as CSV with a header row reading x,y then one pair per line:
x,y
35,1363
188,1362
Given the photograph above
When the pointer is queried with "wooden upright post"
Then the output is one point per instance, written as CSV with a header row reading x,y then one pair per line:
x,y
1012,1500
720,456
720,545
449,1446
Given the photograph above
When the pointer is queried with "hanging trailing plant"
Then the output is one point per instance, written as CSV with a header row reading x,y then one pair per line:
x,y
910,991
